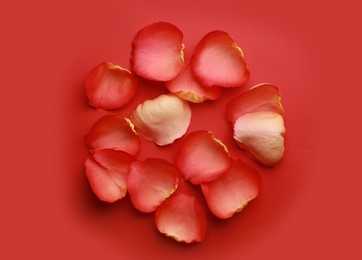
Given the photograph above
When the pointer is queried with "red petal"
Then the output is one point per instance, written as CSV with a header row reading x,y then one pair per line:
x,y
262,135
202,158
183,218
151,182
186,86
162,120
113,132
109,86
262,97
107,172
233,191
157,52
218,61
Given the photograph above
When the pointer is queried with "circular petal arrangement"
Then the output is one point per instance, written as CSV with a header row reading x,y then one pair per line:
x,y
156,185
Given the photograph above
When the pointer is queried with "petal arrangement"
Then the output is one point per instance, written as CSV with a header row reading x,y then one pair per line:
x,y
156,185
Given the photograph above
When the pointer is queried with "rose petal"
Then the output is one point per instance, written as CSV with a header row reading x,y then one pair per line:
x,y
202,157
109,86
262,135
107,171
151,182
183,218
157,52
186,86
162,120
262,97
218,61
233,191
113,132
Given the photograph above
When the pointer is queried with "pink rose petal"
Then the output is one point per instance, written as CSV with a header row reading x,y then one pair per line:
x,y
151,182
183,218
113,132
262,97
162,120
157,52
218,61
262,135
202,157
233,191
107,171
109,86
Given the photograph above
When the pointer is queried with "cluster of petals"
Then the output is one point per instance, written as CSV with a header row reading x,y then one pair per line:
x,y
154,184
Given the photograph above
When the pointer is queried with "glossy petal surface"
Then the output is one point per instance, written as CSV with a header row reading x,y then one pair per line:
x,y
262,97
218,61
233,191
151,182
202,157
107,171
162,120
157,52
182,218
187,87
262,135
109,86
113,132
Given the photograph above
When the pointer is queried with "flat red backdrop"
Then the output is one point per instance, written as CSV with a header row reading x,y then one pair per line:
x,y
309,205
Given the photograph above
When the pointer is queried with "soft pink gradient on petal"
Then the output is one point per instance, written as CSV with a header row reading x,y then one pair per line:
x,y
157,52
183,218
261,134
151,182
202,157
218,61
110,86
233,191
162,120
107,171
261,97
113,132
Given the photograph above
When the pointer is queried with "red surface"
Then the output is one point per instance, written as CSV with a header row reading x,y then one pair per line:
x,y
309,206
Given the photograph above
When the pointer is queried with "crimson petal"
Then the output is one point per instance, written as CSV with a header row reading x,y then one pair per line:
x,y
233,191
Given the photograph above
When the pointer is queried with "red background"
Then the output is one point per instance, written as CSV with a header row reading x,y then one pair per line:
x,y
310,205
